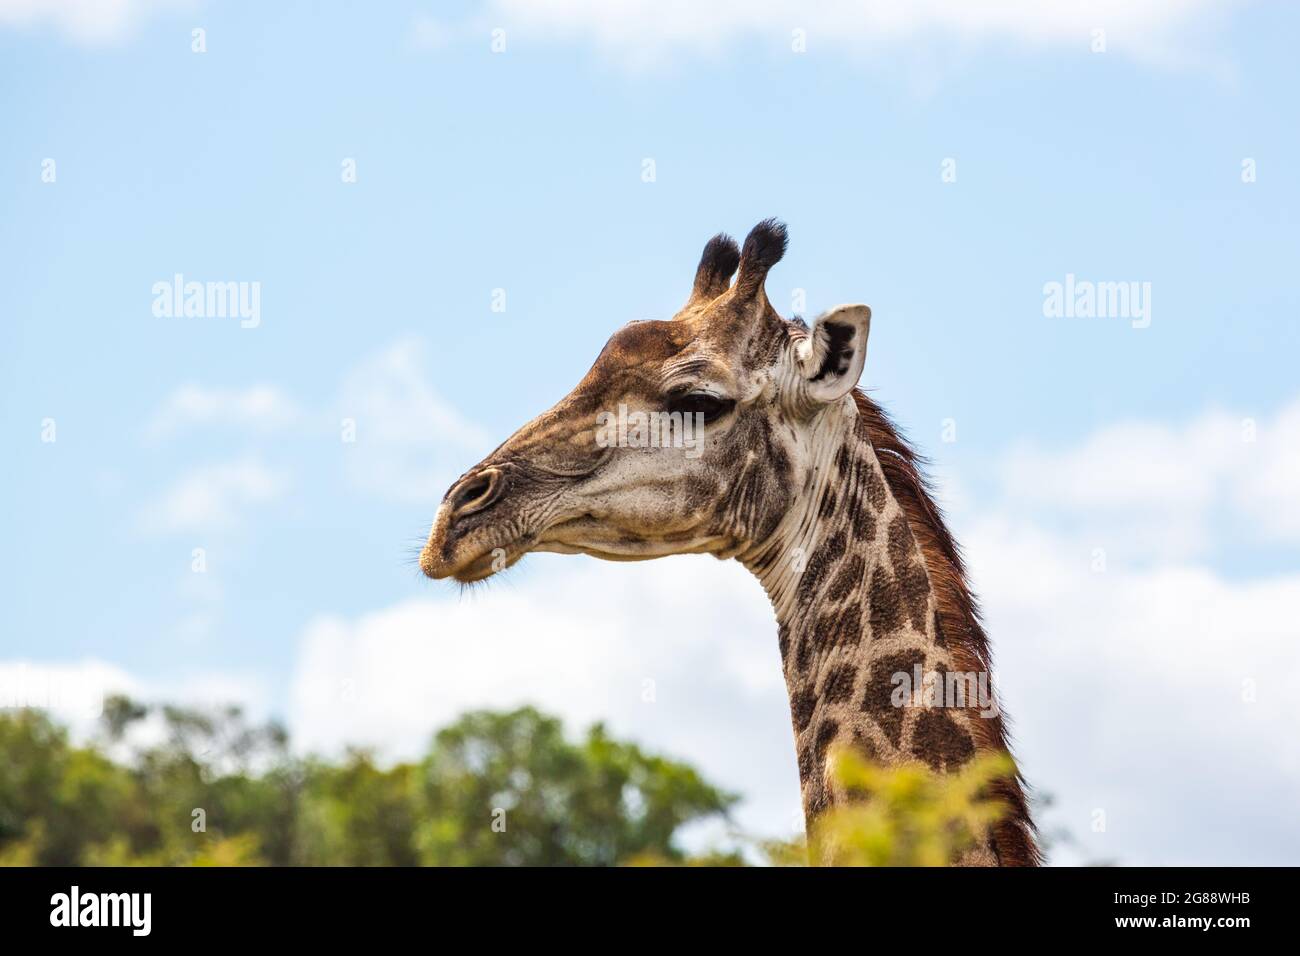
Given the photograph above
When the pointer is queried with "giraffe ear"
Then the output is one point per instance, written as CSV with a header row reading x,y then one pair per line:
x,y
832,356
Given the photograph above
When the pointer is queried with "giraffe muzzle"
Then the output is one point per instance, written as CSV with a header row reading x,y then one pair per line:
x,y
464,542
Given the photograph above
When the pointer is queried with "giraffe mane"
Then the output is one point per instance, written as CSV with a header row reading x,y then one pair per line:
x,y
959,615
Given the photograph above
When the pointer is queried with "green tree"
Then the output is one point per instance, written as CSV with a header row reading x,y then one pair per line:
x,y
509,789
215,789
357,814
55,798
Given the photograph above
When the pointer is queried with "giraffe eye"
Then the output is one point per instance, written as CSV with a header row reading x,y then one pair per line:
x,y
710,406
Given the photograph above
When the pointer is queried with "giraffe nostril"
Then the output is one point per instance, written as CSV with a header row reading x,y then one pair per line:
x,y
476,492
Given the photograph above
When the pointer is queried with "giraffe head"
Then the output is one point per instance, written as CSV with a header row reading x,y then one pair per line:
x,y
687,436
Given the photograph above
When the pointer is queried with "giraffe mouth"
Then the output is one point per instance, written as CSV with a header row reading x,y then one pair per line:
x,y
587,535
581,534
484,563
465,554
483,553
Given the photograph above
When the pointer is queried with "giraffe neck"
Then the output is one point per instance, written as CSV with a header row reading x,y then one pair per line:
x,y
856,609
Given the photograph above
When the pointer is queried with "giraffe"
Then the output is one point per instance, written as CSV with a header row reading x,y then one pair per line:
x,y
799,476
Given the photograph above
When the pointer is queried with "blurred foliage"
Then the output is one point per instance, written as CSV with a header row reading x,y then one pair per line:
x,y
164,785
908,815
212,789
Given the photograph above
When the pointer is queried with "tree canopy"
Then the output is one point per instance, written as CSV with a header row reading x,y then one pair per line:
x,y
494,788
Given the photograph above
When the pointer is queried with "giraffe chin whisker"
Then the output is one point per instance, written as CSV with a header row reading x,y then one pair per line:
x,y
485,565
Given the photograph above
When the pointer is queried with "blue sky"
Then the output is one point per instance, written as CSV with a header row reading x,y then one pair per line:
x,y
522,170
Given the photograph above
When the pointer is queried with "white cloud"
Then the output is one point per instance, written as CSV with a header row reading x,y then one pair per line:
x,y
639,32
74,693
1153,488
89,22
1141,693
583,639
409,443
214,497
1267,488
259,408
643,31
400,439
1148,678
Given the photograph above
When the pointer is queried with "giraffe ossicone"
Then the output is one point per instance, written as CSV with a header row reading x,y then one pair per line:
x,y
798,475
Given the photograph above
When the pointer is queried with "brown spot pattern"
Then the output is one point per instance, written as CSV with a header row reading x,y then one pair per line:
x,y
864,524
828,504
822,558
802,705
838,686
915,587
900,542
803,653
848,579
875,488
826,732
940,742
877,699
837,628
884,597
